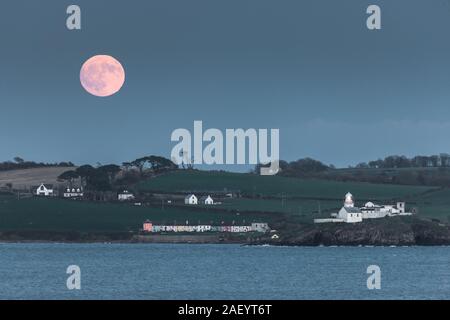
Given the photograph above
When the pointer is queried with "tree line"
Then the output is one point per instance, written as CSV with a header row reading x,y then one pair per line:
x,y
395,161
19,163
383,170
111,176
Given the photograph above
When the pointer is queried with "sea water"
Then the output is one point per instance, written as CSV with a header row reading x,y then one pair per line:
x,y
188,271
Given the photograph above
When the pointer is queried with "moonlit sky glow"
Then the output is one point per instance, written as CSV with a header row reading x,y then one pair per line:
x,y
337,91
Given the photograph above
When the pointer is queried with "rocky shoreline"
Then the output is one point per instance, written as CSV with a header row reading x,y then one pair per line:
x,y
408,231
378,232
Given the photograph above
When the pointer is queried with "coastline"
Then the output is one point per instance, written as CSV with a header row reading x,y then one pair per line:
x,y
406,231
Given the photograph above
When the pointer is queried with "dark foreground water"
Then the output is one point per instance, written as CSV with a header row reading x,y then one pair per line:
x,y
167,271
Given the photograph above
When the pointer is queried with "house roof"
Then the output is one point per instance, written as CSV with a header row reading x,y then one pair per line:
x,y
69,189
352,209
189,195
205,197
46,185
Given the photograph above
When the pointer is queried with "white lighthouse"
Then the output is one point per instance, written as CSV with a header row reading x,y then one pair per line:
x,y
348,202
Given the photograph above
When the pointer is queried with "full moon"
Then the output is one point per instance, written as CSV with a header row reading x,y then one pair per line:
x,y
102,75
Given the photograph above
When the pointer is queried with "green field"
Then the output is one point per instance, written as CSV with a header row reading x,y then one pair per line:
x,y
290,206
275,186
68,215
435,205
264,198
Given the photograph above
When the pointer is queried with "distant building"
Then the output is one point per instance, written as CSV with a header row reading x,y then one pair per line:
x,y
373,211
256,227
351,214
147,226
275,236
125,195
207,200
44,190
74,192
260,227
348,212
190,199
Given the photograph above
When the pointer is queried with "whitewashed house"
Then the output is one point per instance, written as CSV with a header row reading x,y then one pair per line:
x,y
190,199
45,190
373,211
207,200
260,227
125,195
74,192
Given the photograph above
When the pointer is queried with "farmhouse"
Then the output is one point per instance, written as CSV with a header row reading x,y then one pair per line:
x,y
190,199
44,190
74,192
207,200
125,195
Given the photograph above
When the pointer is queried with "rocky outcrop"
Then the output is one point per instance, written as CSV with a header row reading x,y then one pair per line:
x,y
378,232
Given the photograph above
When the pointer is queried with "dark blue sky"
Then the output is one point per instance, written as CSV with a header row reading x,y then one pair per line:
x,y
337,91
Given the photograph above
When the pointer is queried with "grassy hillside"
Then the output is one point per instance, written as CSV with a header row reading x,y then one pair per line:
x,y
265,198
68,215
31,177
430,176
254,185
435,204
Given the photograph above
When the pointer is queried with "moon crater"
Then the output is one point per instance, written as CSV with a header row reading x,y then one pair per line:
x,y
102,75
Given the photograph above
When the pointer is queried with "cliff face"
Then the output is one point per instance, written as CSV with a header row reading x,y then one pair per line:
x,y
380,232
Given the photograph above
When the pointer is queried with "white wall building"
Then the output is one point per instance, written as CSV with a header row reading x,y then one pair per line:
x,y
260,227
125,195
44,190
190,199
207,200
373,211
348,212
73,192
351,214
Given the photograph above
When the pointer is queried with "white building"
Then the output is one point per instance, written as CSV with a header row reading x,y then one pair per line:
x,y
125,195
73,192
351,214
207,200
191,199
348,212
373,211
260,227
44,190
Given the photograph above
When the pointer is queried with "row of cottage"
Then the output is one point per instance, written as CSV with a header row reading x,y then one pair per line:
x,y
148,226
351,214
